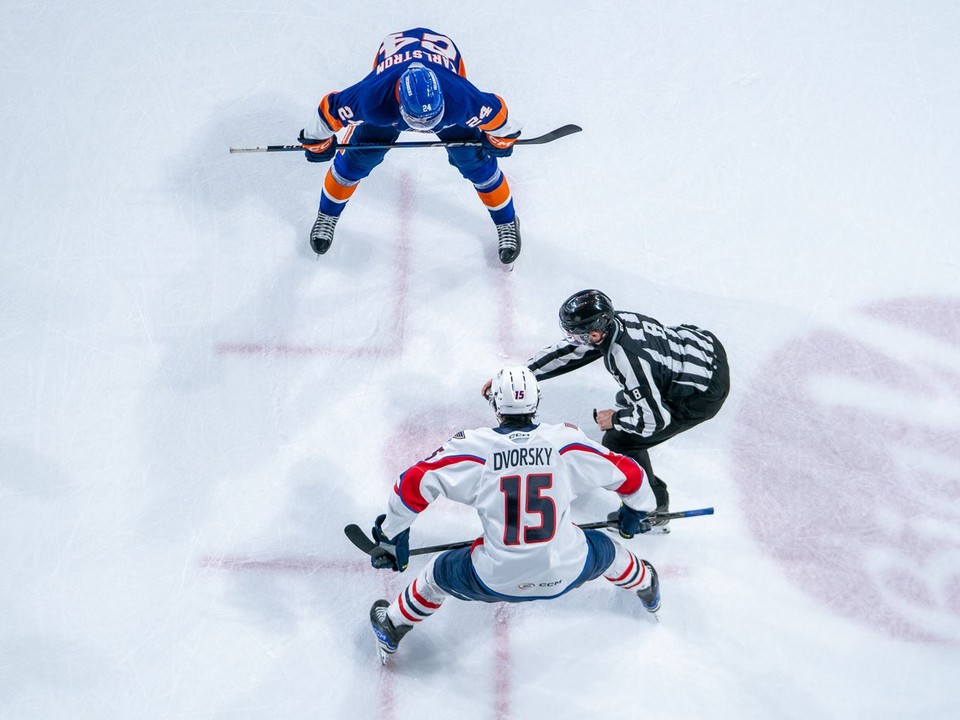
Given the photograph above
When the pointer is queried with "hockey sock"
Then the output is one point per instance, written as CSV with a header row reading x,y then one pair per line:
x,y
626,571
421,599
495,194
336,191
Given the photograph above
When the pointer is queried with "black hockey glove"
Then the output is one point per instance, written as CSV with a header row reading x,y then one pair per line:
x,y
318,150
499,147
393,554
630,522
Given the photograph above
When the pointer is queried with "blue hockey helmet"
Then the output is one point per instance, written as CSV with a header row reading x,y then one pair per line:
x,y
421,97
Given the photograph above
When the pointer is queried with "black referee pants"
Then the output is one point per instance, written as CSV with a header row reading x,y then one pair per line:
x,y
685,413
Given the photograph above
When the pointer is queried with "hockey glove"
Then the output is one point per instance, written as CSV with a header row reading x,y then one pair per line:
x,y
631,522
499,147
318,150
393,554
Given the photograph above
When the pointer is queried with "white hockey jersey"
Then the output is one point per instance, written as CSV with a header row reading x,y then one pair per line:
x,y
521,483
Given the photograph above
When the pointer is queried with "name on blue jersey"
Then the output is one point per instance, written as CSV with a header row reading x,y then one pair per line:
x,y
399,58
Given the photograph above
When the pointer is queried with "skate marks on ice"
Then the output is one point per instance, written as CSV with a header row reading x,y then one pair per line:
x,y
374,297
848,449
331,309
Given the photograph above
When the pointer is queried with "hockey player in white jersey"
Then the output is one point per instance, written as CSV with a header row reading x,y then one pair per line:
x,y
521,478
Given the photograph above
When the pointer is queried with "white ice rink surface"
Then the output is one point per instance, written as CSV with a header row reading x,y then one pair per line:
x,y
193,406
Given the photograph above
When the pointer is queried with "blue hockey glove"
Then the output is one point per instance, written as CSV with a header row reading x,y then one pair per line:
x,y
499,146
631,522
393,554
318,150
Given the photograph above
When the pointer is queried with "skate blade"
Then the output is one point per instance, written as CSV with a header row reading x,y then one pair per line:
x,y
381,653
660,530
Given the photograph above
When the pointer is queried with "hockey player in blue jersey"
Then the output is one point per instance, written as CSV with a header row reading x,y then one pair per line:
x,y
418,82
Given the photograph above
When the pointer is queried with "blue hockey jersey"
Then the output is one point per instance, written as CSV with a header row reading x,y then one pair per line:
x,y
375,100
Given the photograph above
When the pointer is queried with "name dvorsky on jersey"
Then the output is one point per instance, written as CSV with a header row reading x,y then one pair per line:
x,y
521,456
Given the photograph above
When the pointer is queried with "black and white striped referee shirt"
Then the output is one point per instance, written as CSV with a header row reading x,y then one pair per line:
x,y
654,365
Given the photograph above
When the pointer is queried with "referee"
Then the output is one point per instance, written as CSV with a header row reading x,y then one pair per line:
x,y
671,378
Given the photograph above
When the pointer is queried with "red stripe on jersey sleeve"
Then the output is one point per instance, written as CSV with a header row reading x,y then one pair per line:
x,y
628,466
408,486
633,471
580,447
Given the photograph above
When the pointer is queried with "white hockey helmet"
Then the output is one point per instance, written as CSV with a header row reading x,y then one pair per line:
x,y
515,392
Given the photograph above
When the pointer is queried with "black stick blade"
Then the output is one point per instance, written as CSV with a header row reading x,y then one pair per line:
x,y
358,537
551,136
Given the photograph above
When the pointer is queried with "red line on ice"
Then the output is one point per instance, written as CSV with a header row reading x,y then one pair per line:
x,y
501,670
303,564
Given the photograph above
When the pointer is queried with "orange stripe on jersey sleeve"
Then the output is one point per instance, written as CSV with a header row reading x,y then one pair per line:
x,y
461,69
329,119
498,120
335,191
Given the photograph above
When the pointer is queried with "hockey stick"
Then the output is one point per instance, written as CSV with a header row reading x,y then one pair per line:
x,y
540,140
358,537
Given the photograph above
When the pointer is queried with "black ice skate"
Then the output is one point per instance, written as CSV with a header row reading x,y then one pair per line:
x,y
321,237
508,237
388,634
650,597
660,526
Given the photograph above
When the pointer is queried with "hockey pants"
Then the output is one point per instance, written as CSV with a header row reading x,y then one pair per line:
x,y
349,168
424,596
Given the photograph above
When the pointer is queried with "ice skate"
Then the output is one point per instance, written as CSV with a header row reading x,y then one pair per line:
x,y
508,239
650,597
662,526
321,236
388,634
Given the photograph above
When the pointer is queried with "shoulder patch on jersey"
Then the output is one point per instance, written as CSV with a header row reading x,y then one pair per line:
x,y
461,435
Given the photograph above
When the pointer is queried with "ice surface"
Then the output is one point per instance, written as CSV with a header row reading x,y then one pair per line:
x,y
193,406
